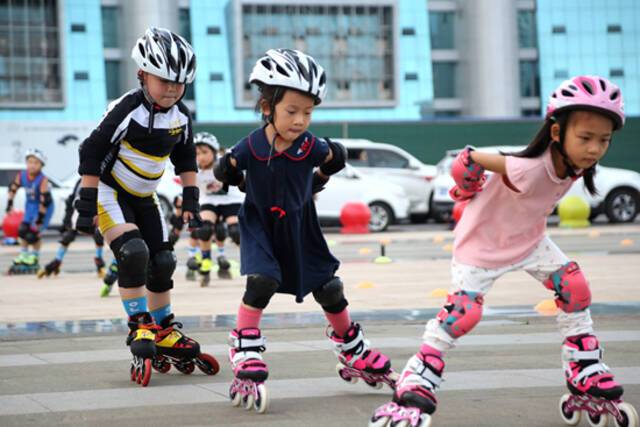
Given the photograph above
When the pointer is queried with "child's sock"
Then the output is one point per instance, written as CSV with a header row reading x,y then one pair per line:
x,y
192,252
220,250
206,254
62,250
160,313
340,322
134,306
99,252
248,317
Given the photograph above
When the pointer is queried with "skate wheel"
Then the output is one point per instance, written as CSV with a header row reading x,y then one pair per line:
x,y
570,418
186,367
161,365
207,364
262,401
236,398
144,375
629,416
248,401
597,420
379,421
344,374
133,372
374,384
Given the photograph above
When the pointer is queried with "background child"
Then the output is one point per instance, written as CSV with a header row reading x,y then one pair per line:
x,y
219,205
282,246
121,164
503,229
37,211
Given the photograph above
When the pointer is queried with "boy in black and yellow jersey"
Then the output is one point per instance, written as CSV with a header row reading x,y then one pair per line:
x,y
121,164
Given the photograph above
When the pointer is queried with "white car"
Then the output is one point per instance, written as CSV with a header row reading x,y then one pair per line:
x,y
387,201
59,193
391,163
618,189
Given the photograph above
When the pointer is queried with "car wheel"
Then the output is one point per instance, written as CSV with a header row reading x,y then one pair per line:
x,y
418,218
622,204
167,208
381,216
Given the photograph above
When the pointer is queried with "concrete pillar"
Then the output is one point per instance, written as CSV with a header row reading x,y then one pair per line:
x,y
489,77
137,16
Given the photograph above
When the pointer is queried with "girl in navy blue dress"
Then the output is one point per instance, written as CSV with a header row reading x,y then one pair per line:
x,y
282,247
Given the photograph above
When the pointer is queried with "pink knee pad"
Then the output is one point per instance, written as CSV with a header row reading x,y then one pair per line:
x,y
461,313
571,288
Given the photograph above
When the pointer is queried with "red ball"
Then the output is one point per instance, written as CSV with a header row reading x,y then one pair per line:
x,y
458,209
354,217
11,223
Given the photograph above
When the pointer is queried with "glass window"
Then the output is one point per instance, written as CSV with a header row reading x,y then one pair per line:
x,y
352,42
110,16
112,76
29,53
529,79
357,157
444,79
7,176
386,159
527,35
441,29
184,17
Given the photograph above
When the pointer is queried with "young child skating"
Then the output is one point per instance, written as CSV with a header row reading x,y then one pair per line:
x,y
504,229
282,247
219,205
121,164
37,211
69,234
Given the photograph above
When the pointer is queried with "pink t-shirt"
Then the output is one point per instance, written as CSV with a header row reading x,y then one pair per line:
x,y
500,226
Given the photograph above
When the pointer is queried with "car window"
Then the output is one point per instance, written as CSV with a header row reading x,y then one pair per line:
x,y
7,176
357,157
386,159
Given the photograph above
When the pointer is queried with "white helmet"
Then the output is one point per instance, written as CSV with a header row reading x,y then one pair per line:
x,y
291,69
34,152
166,55
205,138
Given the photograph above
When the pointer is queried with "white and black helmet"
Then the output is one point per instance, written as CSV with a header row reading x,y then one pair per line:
x,y
205,138
34,152
166,55
291,69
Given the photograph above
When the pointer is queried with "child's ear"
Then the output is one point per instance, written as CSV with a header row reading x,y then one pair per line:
x,y
266,110
555,132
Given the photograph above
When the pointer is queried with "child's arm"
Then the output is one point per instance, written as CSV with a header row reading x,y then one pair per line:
x,y
13,189
45,200
493,162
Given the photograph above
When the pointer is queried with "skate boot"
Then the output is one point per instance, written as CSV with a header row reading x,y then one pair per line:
x,y
414,399
109,279
224,267
593,389
205,272
193,265
141,342
26,264
245,354
52,268
358,360
175,348
99,262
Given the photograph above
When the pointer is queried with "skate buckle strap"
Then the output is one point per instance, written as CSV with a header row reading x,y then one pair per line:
x,y
570,354
352,346
596,368
243,356
248,343
422,369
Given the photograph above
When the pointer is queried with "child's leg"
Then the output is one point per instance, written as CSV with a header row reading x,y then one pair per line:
x,y
581,351
234,229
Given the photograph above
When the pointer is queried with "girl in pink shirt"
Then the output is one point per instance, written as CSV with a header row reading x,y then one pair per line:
x,y
503,229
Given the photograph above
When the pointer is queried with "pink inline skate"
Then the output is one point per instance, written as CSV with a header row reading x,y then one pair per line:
x,y
245,354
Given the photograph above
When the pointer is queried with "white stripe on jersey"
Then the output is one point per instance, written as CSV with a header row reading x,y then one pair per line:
x,y
146,164
131,182
173,118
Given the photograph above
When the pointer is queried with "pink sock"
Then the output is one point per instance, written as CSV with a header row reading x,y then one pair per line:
x,y
340,322
248,317
427,349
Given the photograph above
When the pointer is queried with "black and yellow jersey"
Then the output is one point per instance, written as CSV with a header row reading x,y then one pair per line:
x,y
130,147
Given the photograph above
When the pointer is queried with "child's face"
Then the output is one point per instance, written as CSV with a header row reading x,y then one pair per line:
x,y
587,138
33,165
204,156
164,92
293,114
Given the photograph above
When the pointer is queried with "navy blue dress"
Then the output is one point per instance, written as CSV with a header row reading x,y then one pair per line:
x,y
280,235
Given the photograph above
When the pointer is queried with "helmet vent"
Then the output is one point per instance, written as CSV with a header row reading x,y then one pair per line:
x,y
159,59
614,95
266,64
153,61
587,86
566,93
141,49
573,87
603,85
282,70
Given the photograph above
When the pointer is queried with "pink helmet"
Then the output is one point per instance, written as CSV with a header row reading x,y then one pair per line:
x,y
588,93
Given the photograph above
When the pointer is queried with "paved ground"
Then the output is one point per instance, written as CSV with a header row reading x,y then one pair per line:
x,y
63,359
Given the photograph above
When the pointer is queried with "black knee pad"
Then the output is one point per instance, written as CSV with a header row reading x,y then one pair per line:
x,y
97,238
161,268
221,231
205,231
234,233
68,237
132,254
194,234
259,290
32,237
23,229
331,296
